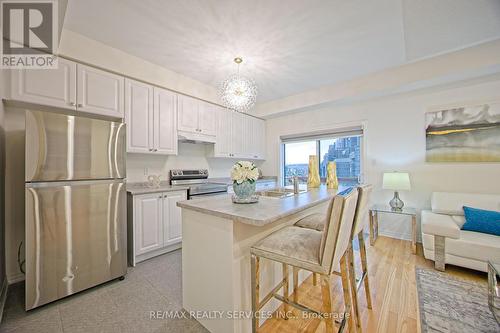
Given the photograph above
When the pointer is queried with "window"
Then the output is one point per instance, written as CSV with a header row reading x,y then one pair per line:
x,y
345,150
297,159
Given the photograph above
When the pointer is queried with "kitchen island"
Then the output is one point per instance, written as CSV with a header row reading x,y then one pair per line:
x,y
216,239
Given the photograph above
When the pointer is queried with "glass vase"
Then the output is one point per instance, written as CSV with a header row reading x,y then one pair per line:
x,y
244,190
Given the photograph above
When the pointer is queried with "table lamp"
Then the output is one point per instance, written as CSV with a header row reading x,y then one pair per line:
x,y
396,181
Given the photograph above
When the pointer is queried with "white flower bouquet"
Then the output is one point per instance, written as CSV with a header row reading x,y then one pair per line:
x,y
244,171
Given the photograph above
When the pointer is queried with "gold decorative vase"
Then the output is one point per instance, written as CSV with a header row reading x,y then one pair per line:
x,y
313,179
331,175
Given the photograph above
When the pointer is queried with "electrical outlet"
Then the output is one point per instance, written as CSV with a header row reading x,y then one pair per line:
x,y
146,171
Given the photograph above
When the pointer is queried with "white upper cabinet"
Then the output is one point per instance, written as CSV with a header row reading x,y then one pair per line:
x,y
187,114
99,92
139,116
207,116
224,144
151,118
257,138
71,86
51,87
239,136
165,121
261,138
197,117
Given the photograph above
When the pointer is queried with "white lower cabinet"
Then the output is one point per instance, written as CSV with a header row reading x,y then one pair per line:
x,y
172,231
155,224
148,223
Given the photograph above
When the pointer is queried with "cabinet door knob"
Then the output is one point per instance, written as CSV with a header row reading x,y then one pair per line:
x,y
79,105
72,103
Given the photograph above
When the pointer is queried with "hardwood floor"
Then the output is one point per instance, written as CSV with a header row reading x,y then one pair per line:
x,y
393,288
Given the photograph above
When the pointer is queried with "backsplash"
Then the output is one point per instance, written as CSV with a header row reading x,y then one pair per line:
x,y
191,156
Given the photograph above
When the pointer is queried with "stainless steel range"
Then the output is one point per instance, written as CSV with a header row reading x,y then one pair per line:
x,y
198,183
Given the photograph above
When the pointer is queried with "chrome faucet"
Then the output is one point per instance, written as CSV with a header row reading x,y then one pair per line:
x,y
295,185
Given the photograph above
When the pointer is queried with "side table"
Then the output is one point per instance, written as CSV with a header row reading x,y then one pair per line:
x,y
494,289
386,209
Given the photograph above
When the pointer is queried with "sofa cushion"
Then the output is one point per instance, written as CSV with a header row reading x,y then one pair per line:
x,y
480,220
452,203
439,224
472,245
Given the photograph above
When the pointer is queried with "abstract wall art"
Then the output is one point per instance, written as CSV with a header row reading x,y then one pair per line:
x,y
464,134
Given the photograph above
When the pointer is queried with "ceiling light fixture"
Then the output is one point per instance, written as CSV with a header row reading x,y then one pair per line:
x,y
238,92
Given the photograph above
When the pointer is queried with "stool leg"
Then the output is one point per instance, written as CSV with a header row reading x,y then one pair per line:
x,y
285,288
352,283
327,302
347,294
315,279
254,267
295,284
364,267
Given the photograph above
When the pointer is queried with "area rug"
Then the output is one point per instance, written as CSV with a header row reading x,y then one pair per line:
x,y
449,304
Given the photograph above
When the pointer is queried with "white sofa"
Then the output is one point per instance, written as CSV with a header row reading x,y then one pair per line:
x,y
445,242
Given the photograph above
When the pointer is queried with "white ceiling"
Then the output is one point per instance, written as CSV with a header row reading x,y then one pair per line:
x,y
288,46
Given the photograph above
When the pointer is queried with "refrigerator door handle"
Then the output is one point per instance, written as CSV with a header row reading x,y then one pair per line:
x,y
74,183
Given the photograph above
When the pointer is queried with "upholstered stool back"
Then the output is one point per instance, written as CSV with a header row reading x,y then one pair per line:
x,y
338,226
361,216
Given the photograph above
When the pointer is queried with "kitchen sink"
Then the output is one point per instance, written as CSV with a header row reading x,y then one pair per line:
x,y
281,192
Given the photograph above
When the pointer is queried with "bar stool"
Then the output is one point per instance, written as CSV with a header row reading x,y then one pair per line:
x,y
317,221
322,252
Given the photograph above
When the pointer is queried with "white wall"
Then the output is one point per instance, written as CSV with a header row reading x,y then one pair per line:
x,y
395,140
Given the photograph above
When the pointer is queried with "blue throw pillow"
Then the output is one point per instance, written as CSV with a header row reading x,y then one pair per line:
x,y
480,220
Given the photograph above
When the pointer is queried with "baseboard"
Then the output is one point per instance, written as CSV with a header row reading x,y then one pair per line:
x,y
158,252
3,297
15,278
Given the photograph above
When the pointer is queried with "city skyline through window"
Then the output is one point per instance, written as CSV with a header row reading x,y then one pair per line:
x,y
345,151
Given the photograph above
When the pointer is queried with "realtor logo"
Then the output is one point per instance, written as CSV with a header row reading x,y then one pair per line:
x,y
29,30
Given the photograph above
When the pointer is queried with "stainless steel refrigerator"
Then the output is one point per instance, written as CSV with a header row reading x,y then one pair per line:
x,y
76,218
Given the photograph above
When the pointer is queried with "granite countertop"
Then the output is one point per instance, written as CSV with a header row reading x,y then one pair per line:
x,y
143,188
266,211
228,181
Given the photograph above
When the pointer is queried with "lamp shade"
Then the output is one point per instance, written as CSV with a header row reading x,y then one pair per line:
x,y
397,181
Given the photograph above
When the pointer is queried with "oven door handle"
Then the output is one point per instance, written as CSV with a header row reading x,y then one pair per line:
x,y
202,195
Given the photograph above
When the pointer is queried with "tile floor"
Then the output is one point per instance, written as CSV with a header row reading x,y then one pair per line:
x,y
116,306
